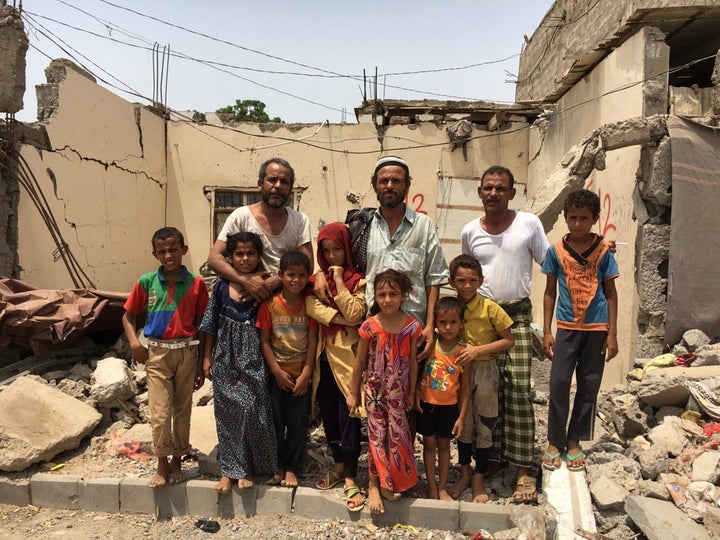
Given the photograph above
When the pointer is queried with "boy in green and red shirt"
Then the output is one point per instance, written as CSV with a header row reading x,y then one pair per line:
x,y
175,301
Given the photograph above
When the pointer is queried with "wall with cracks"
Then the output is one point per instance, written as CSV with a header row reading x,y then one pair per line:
x,y
102,170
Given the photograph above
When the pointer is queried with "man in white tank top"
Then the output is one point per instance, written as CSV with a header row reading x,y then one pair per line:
x,y
506,242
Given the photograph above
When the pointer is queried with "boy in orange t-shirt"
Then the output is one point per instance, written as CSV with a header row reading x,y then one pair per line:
x,y
444,396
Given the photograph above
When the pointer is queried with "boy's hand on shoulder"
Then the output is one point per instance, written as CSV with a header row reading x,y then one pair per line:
x,y
548,344
471,353
301,385
283,380
139,353
610,347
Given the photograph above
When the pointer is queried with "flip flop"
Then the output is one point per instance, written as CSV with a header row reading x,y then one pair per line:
x,y
329,480
311,468
350,492
551,465
526,486
570,460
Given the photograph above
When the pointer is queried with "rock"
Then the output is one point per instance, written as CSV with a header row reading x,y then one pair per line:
x,y
54,375
38,421
653,461
112,381
77,389
140,376
665,411
665,386
662,520
711,520
679,349
654,490
707,355
693,339
613,466
608,495
204,394
706,467
629,418
203,436
82,370
507,534
669,435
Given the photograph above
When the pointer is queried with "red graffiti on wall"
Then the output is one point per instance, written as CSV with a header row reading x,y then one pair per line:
x,y
416,202
605,223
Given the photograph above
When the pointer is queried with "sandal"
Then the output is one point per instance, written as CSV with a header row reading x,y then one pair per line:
x,y
525,487
328,481
311,468
550,465
350,492
570,461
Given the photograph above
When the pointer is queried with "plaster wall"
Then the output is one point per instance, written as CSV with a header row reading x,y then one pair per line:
x,y
104,179
578,112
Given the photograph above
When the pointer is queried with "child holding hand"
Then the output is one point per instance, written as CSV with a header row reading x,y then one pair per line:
x,y
387,358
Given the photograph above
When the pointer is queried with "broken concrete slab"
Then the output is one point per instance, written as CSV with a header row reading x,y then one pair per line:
x,y
711,520
662,520
666,386
608,494
38,421
628,417
669,435
706,467
112,381
707,355
654,490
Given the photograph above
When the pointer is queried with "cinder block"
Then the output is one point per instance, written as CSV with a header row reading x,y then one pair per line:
x,y
238,503
16,493
311,503
490,517
99,494
202,498
273,500
171,500
54,490
427,513
136,497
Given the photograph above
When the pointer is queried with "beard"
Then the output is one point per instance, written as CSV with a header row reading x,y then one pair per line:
x,y
274,202
391,203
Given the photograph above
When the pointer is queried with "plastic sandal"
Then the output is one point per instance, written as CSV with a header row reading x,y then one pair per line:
x,y
550,466
350,492
571,462
329,480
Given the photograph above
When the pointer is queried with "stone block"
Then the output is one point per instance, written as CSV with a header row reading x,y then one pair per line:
x,y
694,339
38,421
655,490
202,498
662,520
707,355
315,504
112,381
273,500
653,252
420,513
15,492
484,516
99,495
170,500
54,491
657,187
241,503
706,467
136,497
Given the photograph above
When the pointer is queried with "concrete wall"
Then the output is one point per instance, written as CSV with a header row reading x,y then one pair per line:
x,y
104,179
13,45
578,112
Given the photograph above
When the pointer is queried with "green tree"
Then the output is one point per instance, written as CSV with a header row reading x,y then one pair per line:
x,y
248,110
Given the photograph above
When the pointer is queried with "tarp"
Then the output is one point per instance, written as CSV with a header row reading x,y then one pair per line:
x,y
43,319
694,267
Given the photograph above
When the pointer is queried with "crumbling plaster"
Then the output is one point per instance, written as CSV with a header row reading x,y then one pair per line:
x,y
13,46
105,189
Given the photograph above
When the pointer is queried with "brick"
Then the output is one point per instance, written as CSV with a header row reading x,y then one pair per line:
x,y
311,503
491,517
16,493
202,498
273,500
136,497
99,495
54,490
427,513
239,502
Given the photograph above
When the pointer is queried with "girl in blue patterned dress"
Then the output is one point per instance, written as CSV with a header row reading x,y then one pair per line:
x,y
232,360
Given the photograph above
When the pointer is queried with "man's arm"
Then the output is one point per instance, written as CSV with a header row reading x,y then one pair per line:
x,y
307,249
254,284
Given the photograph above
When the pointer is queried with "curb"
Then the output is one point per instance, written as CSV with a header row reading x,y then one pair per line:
x,y
197,497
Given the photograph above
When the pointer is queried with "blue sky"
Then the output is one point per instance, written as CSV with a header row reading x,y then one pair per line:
x,y
328,38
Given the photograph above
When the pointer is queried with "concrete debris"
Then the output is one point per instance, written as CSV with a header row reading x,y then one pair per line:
x,y
38,421
707,355
694,339
660,520
706,468
112,381
666,386
608,494
669,435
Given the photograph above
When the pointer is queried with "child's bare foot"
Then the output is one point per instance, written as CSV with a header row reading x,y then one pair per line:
x,y
389,495
244,483
443,495
289,480
159,479
432,490
462,483
375,500
176,475
478,489
276,479
223,486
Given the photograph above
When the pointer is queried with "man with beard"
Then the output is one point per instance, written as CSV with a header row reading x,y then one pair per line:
x,y
506,242
280,227
405,241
